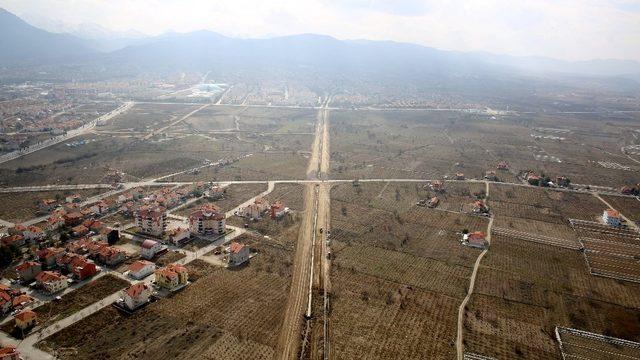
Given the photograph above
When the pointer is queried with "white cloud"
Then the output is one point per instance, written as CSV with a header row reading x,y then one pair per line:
x,y
568,29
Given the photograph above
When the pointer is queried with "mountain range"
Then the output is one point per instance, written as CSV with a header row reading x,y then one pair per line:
x,y
22,43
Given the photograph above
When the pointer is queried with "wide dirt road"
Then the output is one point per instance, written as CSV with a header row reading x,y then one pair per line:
x,y
298,300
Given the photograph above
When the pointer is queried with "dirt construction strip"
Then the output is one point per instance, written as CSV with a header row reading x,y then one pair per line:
x,y
461,310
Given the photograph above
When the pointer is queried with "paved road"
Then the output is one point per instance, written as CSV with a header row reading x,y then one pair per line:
x,y
462,308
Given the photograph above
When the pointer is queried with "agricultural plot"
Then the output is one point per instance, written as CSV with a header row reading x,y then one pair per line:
x,y
138,159
258,166
79,299
576,344
212,314
609,251
525,289
398,273
146,117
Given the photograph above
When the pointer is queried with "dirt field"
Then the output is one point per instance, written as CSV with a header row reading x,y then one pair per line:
x,y
430,145
524,290
16,207
398,275
223,314
79,299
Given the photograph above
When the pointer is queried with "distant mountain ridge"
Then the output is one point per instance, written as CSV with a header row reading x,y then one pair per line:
x,y
20,42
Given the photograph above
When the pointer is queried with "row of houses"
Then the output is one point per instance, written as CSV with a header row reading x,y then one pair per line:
x,y
11,300
170,277
261,206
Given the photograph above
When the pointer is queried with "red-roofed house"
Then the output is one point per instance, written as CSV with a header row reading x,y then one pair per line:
x,y
46,205
172,276
278,210
26,319
475,239
151,219
21,301
9,352
238,254
136,295
5,302
34,233
79,230
28,270
178,235
51,281
50,255
207,221
18,229
13,240
611,217
110,255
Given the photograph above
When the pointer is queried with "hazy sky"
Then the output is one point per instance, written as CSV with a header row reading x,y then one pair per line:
x,y
567,29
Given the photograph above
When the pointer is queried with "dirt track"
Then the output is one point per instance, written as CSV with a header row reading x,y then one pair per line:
x,y
303,268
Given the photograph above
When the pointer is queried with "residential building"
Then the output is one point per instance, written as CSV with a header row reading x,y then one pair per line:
x,y
151,219
141,269
563,181
172,276
46,205
475,239
28,270
278,210
5,302
34,233
479,207
51,281
136,295
255,210
110,255
433,202
459,176
209,220
437,186
149,249
26,319
178,235
21,301
74,198
79,231
238,254
9,352
49,256
13,240
611,217
491,176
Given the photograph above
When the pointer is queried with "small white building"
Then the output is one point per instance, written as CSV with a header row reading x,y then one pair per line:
x,y
141,269
611,217
150,248
136,295
238,254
